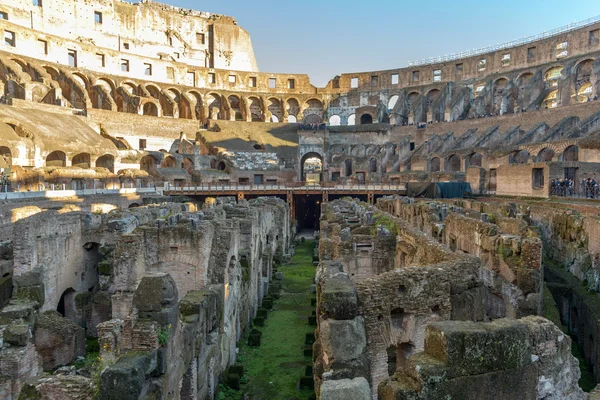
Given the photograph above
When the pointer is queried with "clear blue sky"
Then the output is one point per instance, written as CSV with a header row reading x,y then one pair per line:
x,y
324,38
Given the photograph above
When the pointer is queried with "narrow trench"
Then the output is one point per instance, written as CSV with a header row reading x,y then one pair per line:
x,y
558,288
281,367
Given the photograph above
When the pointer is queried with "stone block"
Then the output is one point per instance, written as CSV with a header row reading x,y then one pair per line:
x,y
346,389
126,379
343,340
470,348
58,340
155,293
18,334
338,297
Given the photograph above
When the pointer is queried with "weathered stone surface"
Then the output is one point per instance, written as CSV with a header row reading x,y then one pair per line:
x,y
58,340
126,380
346,389
343,340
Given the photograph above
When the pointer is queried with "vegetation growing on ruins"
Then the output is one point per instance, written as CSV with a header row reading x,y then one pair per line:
x,y
385,221
273,369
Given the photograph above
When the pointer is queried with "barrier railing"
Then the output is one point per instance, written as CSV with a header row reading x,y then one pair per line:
x,y
502,46
282,187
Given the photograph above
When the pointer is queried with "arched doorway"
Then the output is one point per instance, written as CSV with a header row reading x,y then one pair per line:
x,y
188,165
169,162
148,163
474,160
434,164
66,304
348,167
81,161
352,119
545,155
312,168
150,109
366,119
106,161
453,163
56,159
571,153
335,120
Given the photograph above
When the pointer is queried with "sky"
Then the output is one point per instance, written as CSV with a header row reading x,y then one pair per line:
x,y
324,38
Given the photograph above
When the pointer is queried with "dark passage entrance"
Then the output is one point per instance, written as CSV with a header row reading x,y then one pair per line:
x,y
308,211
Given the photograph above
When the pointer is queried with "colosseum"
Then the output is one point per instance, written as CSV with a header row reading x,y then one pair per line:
x,y
176,224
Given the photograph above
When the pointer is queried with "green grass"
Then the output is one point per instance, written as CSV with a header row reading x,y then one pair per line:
x,y
274,368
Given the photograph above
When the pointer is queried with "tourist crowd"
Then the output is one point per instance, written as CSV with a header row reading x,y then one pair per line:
x,y
567,187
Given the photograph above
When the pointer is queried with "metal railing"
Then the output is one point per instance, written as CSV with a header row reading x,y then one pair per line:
x,y
283,187
517,42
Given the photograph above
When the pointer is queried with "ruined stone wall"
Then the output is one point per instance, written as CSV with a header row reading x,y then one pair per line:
x,y
512,257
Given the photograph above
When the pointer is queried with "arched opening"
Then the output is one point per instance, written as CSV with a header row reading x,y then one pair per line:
x,y
392,361
499,87
571,153
312,168
56,159
313,107
106,161
520,157
133,205
256,111
583,85
292,119
411,99
434,164
148,163
552,76
312,119
169,162
373,165
551,100
432,97
335,120
452,163
292,108
214,106
348,167
474,160
221,166
235,108
150,109
352,119
188,165
545,155
81,160
274,108
366,119
66,304
392,102
5,157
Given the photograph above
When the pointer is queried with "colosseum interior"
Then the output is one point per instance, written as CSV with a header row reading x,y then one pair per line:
x,y
176,224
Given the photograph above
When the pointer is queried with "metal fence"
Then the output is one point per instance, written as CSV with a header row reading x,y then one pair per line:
x,y
501,46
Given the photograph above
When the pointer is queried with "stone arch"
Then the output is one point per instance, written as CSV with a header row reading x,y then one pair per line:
x,y
335,120
348,167
169,162
366,119
434,164
56,159
498,88
66,304
5,157
130,87
352,119
292,119
188,165
148,163
474,160
553,75
431,97
82,79
81,160
373,165
292,107
149,108
584,90
571,153
197,97
235,108
452,163
153,90
551,99
519,157
545,155
221,166
274,107
215,108
313,107
311,163
170,102
256,110
106,161
392,102
312,119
